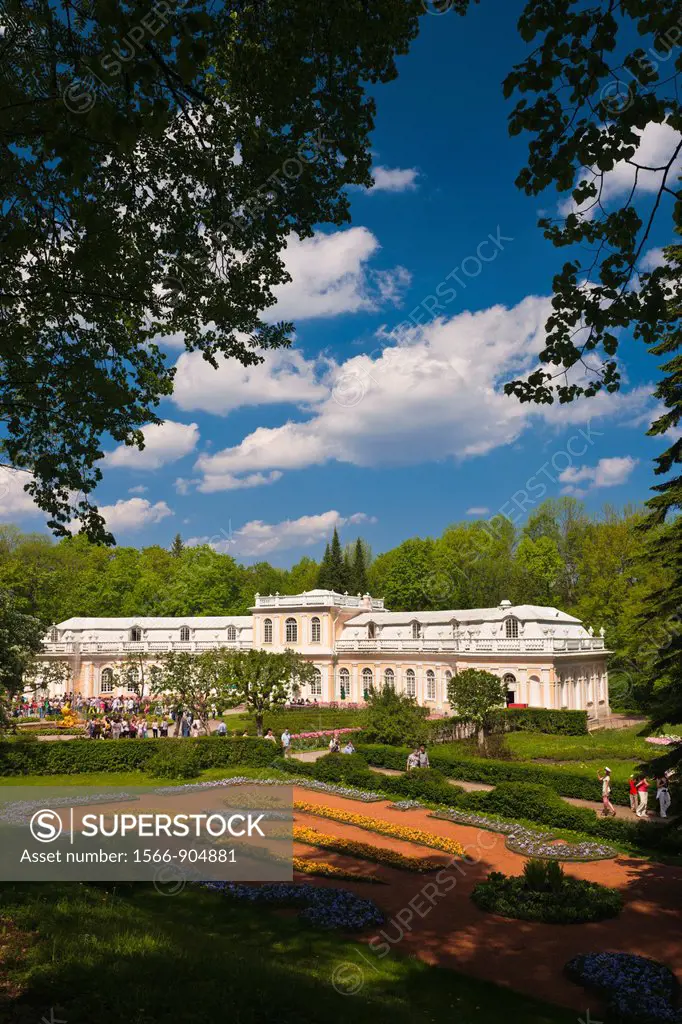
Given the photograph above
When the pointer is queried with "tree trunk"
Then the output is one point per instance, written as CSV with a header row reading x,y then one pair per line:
x,y
480,737
259,723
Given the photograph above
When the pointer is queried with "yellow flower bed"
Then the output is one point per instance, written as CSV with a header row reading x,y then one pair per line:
x,y
348,846
326,870
384,828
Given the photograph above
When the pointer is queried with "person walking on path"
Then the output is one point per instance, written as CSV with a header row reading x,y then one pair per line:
x,y
286,742
633,793
663,795
413,760
423,757
155,729
222,729
642,797
607,806
270,736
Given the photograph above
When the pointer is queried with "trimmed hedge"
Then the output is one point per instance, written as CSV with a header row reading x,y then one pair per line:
x,y
74,757
471,769
559,723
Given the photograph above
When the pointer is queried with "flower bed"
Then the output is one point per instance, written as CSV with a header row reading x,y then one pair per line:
x,y
384,828
243,780
664,741
637,990
325,908
326,870
407,805
531,844
574,902
379,855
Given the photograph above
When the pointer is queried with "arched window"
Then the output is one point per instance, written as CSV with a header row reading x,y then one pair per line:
x,y
231,632
135,634
430,685
316,684
267,631
416,631
410,683
291,627
53,635
367,680
344,682
315,630
509,681
448,676
106,683
511,627
184,634
371,631
389,679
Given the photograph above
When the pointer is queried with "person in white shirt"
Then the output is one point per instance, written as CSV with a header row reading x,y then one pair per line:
x,y
334,744
607,806
286,742
413,760
349,748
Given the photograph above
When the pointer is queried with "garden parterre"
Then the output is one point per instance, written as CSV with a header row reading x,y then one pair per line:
x,y
380,855
384,828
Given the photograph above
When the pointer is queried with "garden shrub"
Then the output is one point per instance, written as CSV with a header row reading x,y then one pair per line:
x,y
566,723
73,757
472,769
181,762
531,802
547,896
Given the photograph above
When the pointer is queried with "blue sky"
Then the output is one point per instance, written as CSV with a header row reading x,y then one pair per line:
x,y
392,435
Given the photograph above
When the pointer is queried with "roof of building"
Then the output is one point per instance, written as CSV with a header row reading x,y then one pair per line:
x,y
198,621
523,612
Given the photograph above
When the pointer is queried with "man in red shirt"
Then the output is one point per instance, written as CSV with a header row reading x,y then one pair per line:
x,y
643,797
633,793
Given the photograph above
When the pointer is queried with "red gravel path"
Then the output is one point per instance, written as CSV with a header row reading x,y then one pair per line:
x,y
440,924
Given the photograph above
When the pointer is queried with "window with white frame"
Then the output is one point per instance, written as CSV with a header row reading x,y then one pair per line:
x,y
135,635
291,631
367,680
231,632
316,684
184,634
344,682
267,631
410,683
430,685
315,630
389,679
416,631
54,635
511,628
106,682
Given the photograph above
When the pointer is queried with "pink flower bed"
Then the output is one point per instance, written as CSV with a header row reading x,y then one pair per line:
x,y
319,738
664,741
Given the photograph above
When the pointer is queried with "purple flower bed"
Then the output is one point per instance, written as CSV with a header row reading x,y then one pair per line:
x,y
638,990
364,796
323,907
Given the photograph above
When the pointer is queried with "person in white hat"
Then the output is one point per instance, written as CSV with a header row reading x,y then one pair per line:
x,y
605,780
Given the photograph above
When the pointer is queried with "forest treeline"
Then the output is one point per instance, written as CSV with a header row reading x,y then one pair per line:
x,y
598,567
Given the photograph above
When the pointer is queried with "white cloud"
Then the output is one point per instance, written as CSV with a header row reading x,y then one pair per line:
x,y
651,259
284,376
330,276
14,501
228,482
140,489
477,510
655,150
394,179
437,394
133,514
164,442
607,473
259,538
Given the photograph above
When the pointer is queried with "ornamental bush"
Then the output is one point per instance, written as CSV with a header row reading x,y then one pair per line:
x,y
532,802
574,901
177,762
557,723
73,757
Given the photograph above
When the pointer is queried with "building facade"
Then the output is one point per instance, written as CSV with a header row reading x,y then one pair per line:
x,y
547,658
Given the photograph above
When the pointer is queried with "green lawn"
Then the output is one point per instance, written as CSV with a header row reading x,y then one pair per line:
x,y
134,778
129,955
605,744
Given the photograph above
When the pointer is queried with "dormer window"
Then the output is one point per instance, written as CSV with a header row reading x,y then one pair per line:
x,y
231,632
511,629
53,635
184,634
135,635
416,631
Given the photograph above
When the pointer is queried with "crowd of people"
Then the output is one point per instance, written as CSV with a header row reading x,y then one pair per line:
x,y
85,707
639,793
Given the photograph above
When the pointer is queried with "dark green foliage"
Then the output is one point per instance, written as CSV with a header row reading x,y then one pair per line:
x,y
73,757
20,641
178,762
532,802
565,723
394,718
546,897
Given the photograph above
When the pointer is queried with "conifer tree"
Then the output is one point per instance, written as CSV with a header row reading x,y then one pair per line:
x,y
337,569
324,574
177,547
359,569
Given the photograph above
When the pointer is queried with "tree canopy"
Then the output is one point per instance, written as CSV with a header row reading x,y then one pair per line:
x,y
154,163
